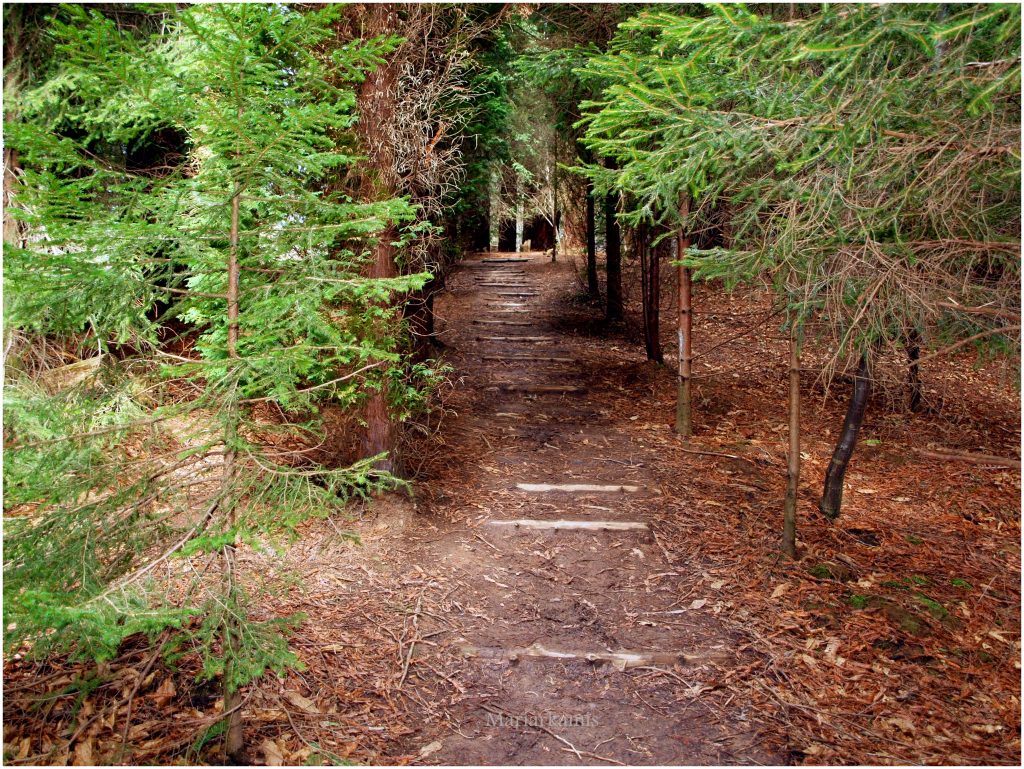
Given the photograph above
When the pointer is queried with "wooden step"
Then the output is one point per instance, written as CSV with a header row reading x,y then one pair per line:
x,y
502,322
528,359
505,260
576,487
515,339
529,523
515,387
621,660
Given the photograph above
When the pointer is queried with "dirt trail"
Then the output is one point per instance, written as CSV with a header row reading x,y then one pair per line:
x,y
580,645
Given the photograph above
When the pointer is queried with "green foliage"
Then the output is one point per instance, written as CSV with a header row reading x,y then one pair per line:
x,y
133,149
867,156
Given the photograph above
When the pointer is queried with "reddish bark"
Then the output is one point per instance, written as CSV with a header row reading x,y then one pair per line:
x,y
376,101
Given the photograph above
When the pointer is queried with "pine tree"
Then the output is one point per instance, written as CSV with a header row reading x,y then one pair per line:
x,y
234,241
867,156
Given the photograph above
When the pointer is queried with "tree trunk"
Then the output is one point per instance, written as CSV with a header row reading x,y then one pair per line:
x,y
651,294
832,497
520,219
593,288
494,219
13,25
613,255
376,103
793,468
554,204
684,424
233,740
914,372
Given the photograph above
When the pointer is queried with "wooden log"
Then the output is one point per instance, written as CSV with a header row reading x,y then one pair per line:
x,y
55,380
974,459
502,322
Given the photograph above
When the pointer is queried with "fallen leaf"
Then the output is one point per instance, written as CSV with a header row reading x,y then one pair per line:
x,y
300,702
698,603
905,725
271,753
430,748
780,590
165,692
83,754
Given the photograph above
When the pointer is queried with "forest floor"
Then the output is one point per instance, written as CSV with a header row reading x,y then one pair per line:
x,y
450,635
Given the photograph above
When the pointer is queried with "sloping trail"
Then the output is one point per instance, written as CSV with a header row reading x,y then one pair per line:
x,y
581,642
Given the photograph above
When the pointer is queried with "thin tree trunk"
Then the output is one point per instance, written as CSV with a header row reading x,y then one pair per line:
x,y
234,741
613,258
12,84
520,219
494,219
613,255
793,468
684,424
650,284
914,372
593,288
832,497
554,204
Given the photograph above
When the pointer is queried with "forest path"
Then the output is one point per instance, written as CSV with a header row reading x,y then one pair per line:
x,y
580,641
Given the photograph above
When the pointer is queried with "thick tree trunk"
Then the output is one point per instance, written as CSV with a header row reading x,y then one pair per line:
x,y
914,372
793,468
376,102
593,288
381,432
650,280
832,497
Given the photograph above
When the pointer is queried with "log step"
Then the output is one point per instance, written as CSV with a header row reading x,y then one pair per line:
x,y
528,359
515,339
503,322
514,293
514,387
507,260
528,523
575,487
621,660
